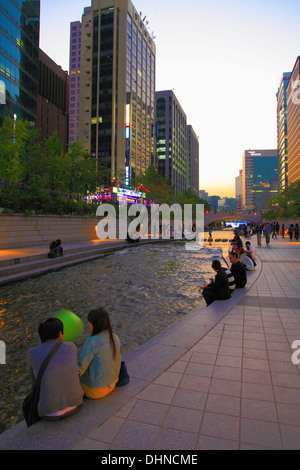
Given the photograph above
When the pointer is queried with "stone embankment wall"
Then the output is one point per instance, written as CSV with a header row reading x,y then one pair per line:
x,y
18,231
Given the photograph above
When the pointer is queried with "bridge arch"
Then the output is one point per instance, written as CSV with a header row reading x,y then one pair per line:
x,y
213,217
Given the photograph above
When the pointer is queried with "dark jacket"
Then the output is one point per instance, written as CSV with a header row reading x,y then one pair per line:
x,y
240,275
220,287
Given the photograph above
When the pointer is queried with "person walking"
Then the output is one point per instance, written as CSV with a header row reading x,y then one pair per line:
x,y
267,231
296,232
291,231
258,234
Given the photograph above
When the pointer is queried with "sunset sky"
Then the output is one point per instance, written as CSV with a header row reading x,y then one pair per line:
x,y
224,60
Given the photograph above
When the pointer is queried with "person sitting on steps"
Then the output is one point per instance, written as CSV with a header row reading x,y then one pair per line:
x,y
55,249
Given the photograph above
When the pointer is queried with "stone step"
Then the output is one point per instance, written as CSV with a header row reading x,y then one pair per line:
x,y
42,252
42,265
35,265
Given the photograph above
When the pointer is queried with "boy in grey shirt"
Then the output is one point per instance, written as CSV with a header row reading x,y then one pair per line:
x,y
61,393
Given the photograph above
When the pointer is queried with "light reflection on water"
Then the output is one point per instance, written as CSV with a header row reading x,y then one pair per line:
x,y
145,289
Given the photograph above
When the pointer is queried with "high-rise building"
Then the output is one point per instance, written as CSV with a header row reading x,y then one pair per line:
x,y
171,140
239,187
74,72
193,160
117,87
260,180
214,202
52,99
282,132
19,58
293,118
203,194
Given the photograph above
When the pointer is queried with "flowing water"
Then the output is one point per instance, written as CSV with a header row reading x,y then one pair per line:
x,y
145,289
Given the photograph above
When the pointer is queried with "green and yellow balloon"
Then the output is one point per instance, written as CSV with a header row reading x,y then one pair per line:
x,y
73,325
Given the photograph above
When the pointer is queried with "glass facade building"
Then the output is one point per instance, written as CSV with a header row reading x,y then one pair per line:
x,y
117,88
260,178
19,58
171,140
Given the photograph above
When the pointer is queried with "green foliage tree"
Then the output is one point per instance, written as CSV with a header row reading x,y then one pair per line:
x,y
13,137
188,197
286,204
159,189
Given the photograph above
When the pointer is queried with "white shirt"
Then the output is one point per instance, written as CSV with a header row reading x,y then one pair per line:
x,y
252,251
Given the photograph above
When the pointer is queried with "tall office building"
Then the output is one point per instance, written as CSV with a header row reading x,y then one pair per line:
x,y
260,178
203,194
52,99
117,87
19,58
293,118
239,187
214,202
74,72
282,132
193,160
171,140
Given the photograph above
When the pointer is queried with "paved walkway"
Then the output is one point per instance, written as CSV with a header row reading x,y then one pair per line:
x,y
222,378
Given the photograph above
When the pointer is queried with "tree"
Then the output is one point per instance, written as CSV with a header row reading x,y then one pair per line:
x,y
285,204
158,188
13,137
188,197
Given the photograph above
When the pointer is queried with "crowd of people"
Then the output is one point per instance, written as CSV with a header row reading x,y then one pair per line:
x,y
227,279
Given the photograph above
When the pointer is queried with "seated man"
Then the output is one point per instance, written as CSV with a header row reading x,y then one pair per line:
x,y
246,260
251,252
231,280
60,393
238,270
219,288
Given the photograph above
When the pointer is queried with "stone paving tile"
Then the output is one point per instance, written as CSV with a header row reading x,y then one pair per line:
x,y
259,409
220,425
136,435
213,443
148,412
228,405
184,419
192,399
174,439
262,433
158,393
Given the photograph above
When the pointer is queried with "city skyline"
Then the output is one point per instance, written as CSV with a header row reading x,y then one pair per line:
x,y
224,62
